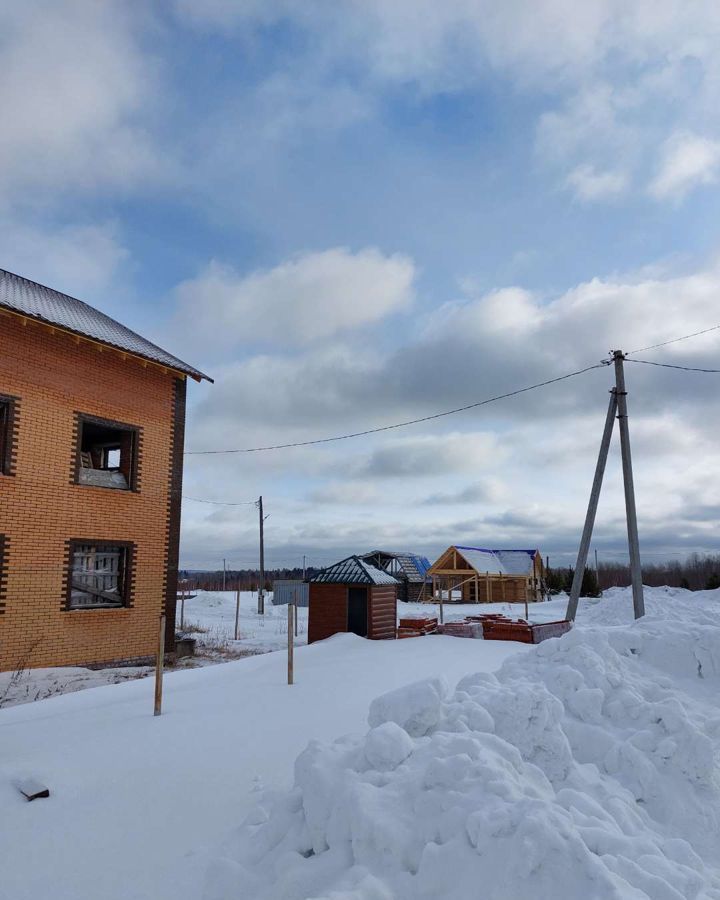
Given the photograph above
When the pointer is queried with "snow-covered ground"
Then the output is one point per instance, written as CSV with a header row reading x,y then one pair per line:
x,y
209,617
584,767
140,805
214,613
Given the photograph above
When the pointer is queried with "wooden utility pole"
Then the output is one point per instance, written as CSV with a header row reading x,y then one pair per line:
x,y
630,510
291,629
592,508
261,586
159,663
224,573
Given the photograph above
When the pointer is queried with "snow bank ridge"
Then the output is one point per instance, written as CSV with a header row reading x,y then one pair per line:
x,y
586,768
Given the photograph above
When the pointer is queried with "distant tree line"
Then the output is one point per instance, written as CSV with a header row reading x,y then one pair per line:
x,y
696,573
245,579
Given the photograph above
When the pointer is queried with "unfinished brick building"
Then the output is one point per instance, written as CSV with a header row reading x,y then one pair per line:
x,y
92,420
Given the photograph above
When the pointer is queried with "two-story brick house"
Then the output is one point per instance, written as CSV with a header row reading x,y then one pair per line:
x,y
92,420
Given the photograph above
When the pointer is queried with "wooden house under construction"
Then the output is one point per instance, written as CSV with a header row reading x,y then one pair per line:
x,y
410,569
353,596
477,575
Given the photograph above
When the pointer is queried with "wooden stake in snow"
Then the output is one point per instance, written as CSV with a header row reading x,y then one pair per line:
x,y
159,663
237,612
291,640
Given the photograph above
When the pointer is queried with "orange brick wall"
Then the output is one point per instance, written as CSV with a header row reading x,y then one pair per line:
x,y
40,509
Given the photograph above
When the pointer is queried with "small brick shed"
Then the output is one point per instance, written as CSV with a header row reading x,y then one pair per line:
x,y
352,596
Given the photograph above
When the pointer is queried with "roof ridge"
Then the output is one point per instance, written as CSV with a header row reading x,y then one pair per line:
x,y
132,343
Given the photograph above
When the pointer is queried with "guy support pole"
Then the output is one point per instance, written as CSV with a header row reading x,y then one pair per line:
x,y
261,586
592,508
630,511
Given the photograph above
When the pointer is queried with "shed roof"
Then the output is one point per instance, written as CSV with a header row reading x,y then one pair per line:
x,y
353,570
35,301
408,566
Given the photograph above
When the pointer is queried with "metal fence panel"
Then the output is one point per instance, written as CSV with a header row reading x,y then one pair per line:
x,y
286,591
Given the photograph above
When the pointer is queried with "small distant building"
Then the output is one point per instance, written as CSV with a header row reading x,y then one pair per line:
x,y
352,596
410,570
478,575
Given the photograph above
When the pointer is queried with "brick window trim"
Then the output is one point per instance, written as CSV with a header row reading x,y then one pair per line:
x,y
134,480
128,582
4,542
8,438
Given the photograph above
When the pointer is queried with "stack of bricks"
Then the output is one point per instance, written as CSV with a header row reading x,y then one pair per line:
x,y
416,627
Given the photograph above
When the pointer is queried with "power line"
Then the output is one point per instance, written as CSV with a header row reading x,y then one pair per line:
x,y
440,415
675,340
647,362
222,502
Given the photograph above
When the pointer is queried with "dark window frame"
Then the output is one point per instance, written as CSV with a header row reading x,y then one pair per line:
x,y
132,472
8,433
128,573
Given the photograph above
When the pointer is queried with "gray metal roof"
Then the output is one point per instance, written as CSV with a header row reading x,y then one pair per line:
x,y
353,570
47,305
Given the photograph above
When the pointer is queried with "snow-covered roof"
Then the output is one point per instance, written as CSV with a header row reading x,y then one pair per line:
x,y
498,562
47,305
516,562
353,570
482,560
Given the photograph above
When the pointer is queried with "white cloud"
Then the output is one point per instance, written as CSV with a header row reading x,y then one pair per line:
x,y
590,184
313,296
614,78
77,259
688,160
73,87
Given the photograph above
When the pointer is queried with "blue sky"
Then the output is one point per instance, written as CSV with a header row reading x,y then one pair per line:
x,y
361,212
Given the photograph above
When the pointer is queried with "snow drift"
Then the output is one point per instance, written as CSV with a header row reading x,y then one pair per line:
x,y
587,767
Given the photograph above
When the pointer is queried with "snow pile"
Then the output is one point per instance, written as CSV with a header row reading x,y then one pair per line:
x,y
585,768
615,606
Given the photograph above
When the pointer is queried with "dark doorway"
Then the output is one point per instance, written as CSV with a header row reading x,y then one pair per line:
x,y
357,611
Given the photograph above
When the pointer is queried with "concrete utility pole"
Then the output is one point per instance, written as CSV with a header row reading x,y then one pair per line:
x,y
592,508
617,406
630,510
261,586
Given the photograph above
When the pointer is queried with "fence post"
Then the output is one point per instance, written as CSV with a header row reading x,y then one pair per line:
x,y
237,612
291,641
159,663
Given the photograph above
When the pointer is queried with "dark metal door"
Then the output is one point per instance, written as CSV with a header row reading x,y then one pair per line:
x,y
358,611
